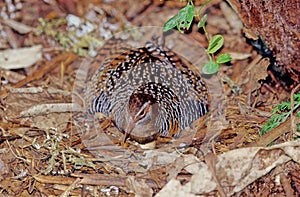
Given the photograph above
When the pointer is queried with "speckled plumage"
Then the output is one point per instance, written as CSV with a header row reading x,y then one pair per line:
x,y
151,75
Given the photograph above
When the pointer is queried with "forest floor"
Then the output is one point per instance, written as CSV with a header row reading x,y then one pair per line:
x,y
48,146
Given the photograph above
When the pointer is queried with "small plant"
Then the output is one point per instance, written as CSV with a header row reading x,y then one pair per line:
x,y
60,154
184,19
78,38
281,113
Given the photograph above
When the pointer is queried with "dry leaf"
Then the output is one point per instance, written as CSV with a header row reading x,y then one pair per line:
x,y
20,58
174,188
255,71
3,169
139,187
40,107
239,56
235,169
31,97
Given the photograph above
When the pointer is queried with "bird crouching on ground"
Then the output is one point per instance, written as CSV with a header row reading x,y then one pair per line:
x,y
149,92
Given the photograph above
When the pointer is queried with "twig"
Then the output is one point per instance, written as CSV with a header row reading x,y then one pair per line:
x,y
101,179
72,186
293,124
210,160
269,137
26,161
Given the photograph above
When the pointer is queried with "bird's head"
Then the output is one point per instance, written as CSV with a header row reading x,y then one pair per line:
x,y
141,115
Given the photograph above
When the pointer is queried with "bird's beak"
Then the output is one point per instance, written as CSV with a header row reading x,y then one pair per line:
x,y
129,128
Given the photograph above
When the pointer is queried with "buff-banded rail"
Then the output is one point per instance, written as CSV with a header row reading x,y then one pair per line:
x,y
148,92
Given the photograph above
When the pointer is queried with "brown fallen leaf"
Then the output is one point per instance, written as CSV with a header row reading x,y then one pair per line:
x,y
234,169
138,187
255,71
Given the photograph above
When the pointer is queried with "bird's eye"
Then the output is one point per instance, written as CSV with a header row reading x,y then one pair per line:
x,y
143,111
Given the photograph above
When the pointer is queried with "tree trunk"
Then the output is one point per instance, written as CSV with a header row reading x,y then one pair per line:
x,y
277,22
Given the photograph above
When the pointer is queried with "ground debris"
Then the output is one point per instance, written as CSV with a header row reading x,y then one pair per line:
x,y
48,147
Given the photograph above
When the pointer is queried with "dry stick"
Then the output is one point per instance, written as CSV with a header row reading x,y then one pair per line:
x,y
70,188
272,135
101,179
293,124
89,179
210,160
286,184
283,128
54,179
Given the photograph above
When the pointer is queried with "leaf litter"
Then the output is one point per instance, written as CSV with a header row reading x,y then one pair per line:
x,y
43,150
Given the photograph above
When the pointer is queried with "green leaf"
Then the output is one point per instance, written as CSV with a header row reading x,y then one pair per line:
x,y
280,113
181,20
223,58
186,16
210,68
297,97
215,43
170,24
203,21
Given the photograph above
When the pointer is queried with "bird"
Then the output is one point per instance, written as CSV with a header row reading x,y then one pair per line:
x,y
148,91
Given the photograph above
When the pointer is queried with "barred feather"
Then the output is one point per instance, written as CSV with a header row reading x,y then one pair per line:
x,y
157,74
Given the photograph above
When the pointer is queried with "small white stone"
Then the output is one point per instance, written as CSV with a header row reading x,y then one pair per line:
x,y
73,20
11,8
19,6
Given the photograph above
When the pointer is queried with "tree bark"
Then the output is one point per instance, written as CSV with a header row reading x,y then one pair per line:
x,y
277,22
